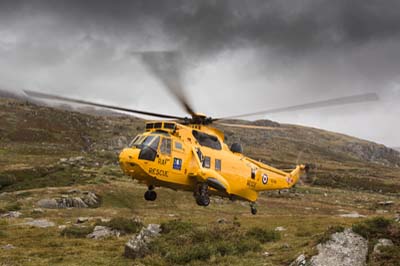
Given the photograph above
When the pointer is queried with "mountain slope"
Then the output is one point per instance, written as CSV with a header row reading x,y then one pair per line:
x,y
35,137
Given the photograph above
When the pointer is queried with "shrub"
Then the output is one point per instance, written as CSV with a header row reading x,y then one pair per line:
x,y
373,228
77,232
183,242
176,226
6,180
388,256
263,235
16,206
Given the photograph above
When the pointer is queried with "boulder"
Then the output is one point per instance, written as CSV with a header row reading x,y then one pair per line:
x,y
386,203
352,215
41,223
138,245
12,214
48,203
300,261
101,232
345,248
82,220
8,247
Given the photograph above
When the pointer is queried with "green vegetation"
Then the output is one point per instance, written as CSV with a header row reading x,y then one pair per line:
x,y
326,236
184,243
124,225
15,206
375,229
263,235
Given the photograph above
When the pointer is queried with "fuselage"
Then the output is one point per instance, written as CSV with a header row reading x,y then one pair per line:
x,y
180,156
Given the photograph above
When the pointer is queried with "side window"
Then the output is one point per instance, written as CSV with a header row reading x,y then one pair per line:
x,y
165,147
217,164
253,173
207,162
178,145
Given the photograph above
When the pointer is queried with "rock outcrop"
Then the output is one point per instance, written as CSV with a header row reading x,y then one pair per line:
x,y
86,200
345,248
138,245
101,232
41,223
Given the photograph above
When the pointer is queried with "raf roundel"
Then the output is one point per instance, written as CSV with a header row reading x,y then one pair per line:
x,y
265,179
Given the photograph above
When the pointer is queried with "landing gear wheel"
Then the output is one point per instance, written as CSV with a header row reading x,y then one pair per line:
x,y
150,195
201,195
203,201
253,209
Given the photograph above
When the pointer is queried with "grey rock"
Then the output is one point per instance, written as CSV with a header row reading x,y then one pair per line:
x,y
138,246
8,247
12,214
82,220
86,200
386,203
352,215
48,203
300,261
383,242
101,232
345,248
221,221
41,223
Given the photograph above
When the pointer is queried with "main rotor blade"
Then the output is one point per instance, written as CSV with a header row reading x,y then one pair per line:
x,y
166,67
65,99
360,98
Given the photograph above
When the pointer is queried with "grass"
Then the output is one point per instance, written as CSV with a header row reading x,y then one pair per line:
x,y
15,206
185,243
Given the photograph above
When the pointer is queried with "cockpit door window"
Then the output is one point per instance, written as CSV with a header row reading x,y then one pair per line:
x,y
165,147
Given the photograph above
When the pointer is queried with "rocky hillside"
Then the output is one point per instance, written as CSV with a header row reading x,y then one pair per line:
x,y
64,200
34,136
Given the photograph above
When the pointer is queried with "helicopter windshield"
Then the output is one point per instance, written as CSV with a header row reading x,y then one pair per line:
x,y
149,147
137,140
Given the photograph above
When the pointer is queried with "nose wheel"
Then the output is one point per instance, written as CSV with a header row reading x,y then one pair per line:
x,y
150,195
201,195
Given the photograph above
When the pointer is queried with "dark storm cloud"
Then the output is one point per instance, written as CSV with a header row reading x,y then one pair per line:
x,y
289,51
206,27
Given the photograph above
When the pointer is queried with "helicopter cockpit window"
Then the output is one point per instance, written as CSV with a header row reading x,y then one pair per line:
x,y
178,145
207,140
207,162
137,140
149,148
165,147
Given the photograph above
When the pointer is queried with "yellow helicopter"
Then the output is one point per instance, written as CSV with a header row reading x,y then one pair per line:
x,y
189,154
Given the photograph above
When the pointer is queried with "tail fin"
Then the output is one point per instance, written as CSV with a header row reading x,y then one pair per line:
x,y
296,174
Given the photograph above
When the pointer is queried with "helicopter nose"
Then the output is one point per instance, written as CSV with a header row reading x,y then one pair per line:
x,y
128,157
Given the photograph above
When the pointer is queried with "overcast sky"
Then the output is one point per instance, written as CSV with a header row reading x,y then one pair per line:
x,y
238,56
